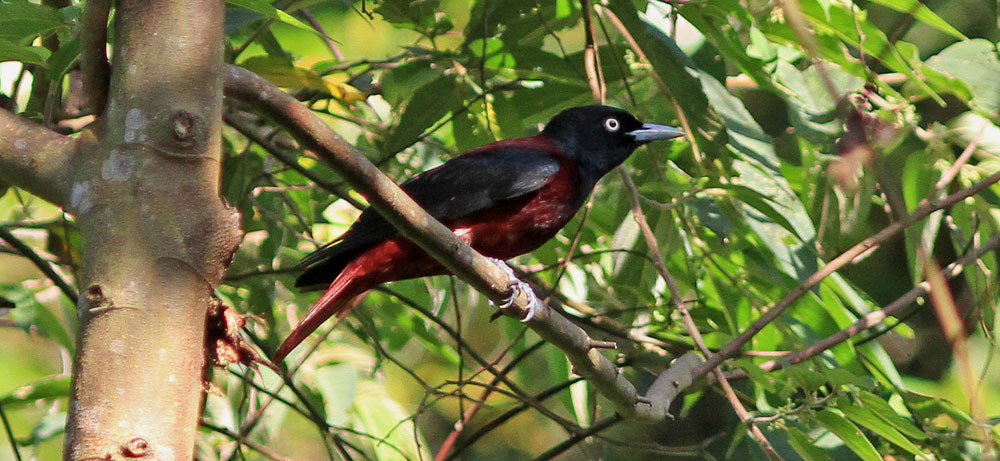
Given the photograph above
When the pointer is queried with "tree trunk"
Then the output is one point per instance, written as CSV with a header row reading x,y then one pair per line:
x,y
156,235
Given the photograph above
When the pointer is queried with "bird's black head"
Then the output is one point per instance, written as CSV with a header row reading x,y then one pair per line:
x,y
600,138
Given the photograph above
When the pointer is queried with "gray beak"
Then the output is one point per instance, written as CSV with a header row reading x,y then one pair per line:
x,y
652,132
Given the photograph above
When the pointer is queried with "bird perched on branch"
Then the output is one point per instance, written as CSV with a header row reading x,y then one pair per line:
x,y
504,199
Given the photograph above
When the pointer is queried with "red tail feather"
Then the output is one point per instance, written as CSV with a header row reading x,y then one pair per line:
x,y
335,301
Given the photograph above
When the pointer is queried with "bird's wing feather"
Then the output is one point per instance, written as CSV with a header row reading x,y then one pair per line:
x,y
464,185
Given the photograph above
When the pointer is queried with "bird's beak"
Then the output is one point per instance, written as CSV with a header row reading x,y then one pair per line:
x,y
652,132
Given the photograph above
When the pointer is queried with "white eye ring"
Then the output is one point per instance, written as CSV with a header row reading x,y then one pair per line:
x,y
611,124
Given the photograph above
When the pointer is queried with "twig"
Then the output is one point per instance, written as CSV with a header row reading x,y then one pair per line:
x,y
591,58
271,454
689,325
255,134
42,265
488,427
925,208
952,171
331,44
873,318
10,434
449,441
578,437
458,257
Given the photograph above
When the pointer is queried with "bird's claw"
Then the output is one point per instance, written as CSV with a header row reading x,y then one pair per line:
x,y
534,304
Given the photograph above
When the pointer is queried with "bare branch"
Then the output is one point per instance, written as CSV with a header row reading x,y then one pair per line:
x,y
42,265
158,236
689,325
93,53
253,133
924,208
415,224
35,158
874,318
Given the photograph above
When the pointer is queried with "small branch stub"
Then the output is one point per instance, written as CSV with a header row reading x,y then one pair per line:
x,y
598,344
184,125
95,299
138,447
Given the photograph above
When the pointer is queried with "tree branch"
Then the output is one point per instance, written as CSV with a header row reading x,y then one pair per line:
x,y
93,53
156,234
35,158
924,208
42,265
874,318
415,224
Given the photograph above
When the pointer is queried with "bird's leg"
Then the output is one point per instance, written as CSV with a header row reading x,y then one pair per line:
x,y
535,305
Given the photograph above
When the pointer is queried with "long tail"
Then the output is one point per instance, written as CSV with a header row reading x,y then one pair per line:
x,y
335,301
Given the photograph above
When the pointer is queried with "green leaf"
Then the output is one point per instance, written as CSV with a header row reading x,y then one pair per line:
x,y
419,15
63,59
880,407
10,51
268,10
805,446
730,44
399,83
52,425
338,386
923,14
22,21
757,201
389,423
849,434
759,169
50,326
975,63
877,425
931,410
428,104
282,72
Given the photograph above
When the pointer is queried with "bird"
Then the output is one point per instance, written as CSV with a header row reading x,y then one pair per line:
x,y
504,199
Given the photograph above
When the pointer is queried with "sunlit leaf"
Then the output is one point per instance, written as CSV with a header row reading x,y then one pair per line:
x,y
849,434
268,10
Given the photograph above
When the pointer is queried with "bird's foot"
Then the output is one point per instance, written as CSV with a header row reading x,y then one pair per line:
x,y
534,306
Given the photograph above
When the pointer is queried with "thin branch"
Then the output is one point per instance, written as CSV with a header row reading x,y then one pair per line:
x,y
270,454
874,318
579,437
591,57
458,257
689,325
331,44
925,208
963,158
256,134
468,414
46,267
10,434
499,420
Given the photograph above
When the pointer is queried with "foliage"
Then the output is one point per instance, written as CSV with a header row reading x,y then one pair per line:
x,y
813,125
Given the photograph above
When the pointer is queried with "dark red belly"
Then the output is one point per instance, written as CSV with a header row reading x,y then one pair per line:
x,y
517,227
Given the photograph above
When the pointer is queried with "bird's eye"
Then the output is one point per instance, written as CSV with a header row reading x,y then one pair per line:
x,y
611,124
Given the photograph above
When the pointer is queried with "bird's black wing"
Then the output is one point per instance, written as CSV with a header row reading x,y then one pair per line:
x,y
466,184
